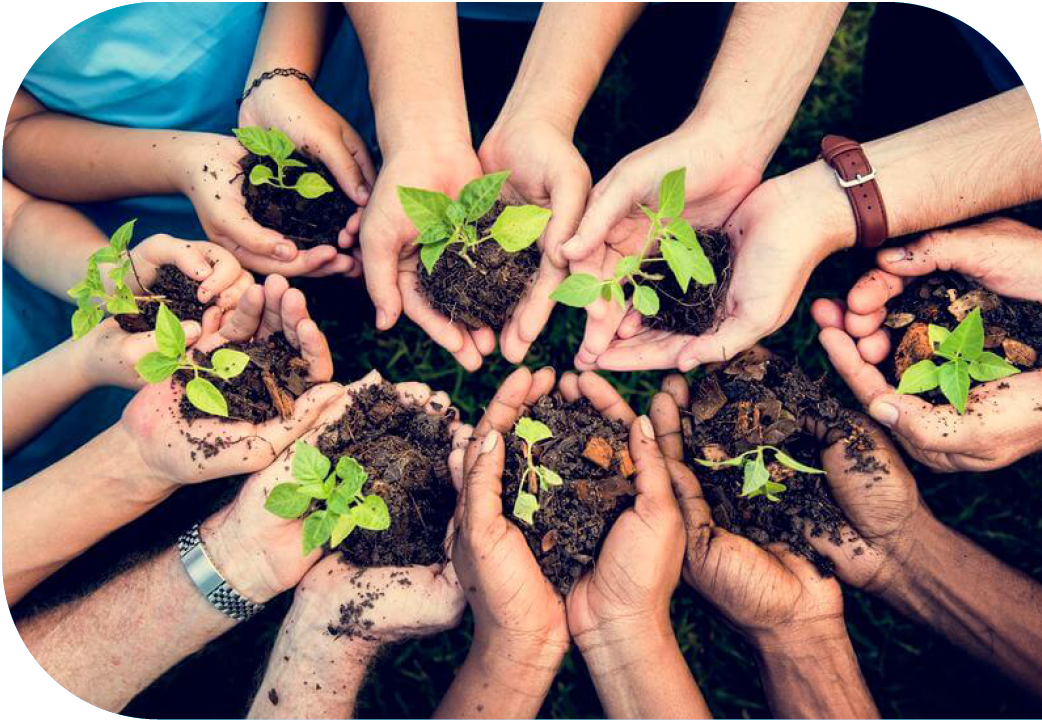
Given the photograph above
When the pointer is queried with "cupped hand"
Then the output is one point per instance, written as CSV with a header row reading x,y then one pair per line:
x,y
222,280
545,170
389,252
107,355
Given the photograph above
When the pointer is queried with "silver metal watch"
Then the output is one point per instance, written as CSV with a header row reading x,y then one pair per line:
x,y
209,580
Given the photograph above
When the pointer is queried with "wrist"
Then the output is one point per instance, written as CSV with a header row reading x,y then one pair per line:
x,y
800,638
239,560
614,646
76,356
522,662
912,558
429,131
120,460
813,192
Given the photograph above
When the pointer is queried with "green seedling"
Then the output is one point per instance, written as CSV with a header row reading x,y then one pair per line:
x,y
676,243
534,477
443,222
93,299
344,506
275,145
965,358
756,478
172,355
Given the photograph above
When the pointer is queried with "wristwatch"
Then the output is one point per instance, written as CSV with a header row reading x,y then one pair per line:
x,y
857,177
209,580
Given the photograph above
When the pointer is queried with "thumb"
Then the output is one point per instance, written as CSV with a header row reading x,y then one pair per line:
x,y
246,233
140,344
567,201
963,250
610,201
345,169
483,485
283,432
380,259
928,427
735,334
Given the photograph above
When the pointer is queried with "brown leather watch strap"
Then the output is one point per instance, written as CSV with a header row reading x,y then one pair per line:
x,y
855,175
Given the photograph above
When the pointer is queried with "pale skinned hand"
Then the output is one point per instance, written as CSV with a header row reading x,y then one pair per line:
x,y
545,170
389,253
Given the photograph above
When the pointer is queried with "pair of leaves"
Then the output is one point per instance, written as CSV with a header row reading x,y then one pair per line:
x,y
309,185
324,526
756,478
275,144
426,208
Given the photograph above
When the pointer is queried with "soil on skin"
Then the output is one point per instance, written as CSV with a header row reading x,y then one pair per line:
x,y
275,376
483,295
574,518
179,293
406,453
694,313
306,222
758,399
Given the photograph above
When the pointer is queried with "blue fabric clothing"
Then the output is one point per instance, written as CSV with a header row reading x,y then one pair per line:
x,y
525,12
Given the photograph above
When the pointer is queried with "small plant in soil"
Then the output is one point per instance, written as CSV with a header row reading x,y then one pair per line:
x,y
964,358
491,254
670,239
756,478
172,356
535,477
332,500
277,147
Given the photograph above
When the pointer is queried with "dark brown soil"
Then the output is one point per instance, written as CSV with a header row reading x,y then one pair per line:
x,y
574,518
179,292
306,222
757,400
266,389
483,295
695,312
406,452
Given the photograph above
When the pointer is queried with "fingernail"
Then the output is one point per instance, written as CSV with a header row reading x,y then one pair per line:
x,y
646,427
363,192
491,440
885,412
381,319
572,242
285,251
893,255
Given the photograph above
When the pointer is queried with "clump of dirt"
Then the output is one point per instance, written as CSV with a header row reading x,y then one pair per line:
x,y
406,453
694,312
275,376
180,293
307,222
760,399
486,293
590,453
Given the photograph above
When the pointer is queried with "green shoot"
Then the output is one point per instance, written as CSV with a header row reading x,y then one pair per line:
x,y
172,356
274,144
443,222
345,507
965,358
534,477
677,245
756,478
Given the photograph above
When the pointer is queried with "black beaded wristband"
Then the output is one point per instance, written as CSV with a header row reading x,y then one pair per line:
x,y
268,75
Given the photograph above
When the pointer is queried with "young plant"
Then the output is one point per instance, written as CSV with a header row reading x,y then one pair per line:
x,y
275,145
965,358
534,477
677,245
443,222
93,299
172,356
756,478
340,490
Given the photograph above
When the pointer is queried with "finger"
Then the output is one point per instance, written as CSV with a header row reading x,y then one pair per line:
x,y
542,383
438,404
484,340
185,255
483,485
698,518
603,318
503,410
260,242
229,297
609,202
827,313
339,264
275,287
875,348
568,193
532,313
605,399
665,418
441,330
961,250
873,291
677,386
652,478
140,344
865,380
569,387
294,310
414,393
314,348
735,334
225,271
303,263
344,166
936,428
381,259
649,350
211,322
241,323
460,442
860,326
631,325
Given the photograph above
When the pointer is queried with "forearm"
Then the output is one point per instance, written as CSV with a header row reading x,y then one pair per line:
x,y
58,513
569,48
293,35
415,73
109,646
971,598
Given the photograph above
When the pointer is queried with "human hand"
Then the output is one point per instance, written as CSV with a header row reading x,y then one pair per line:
x,y
222,280
389,253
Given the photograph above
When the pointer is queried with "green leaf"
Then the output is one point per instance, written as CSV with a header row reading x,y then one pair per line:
x,y
430,254
155,367
548,478
293,162
343,527
532,431
577,290
771,489
518,226
204,395
311,185
438,232
120,239
627,265
314,490
671,194
285,501
754,476
82,289
680,260
353,475
456,213
478,196
338,500
280,146
645,300
795,464
423,207
309,464
937,334
318,528
170,336
254,140
105,256
372,514
701,269
122,303
86,319
260,174
229,363
525,506
954,380
989,366
616,293
729,462
919,378
966,340
116,274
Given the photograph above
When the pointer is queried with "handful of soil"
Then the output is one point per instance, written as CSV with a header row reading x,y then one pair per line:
x,y
1012,328
759,399
694,312
486,293
180,293
274,378
307,222
590,453
406,453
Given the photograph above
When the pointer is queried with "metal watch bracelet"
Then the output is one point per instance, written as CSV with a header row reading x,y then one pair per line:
x,y
209,581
